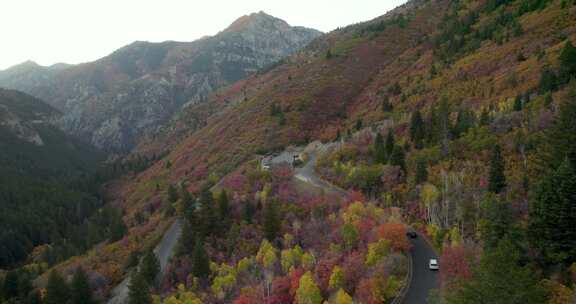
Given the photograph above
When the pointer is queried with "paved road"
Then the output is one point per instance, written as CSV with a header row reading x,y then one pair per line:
x,y
307,174
164,251
423,279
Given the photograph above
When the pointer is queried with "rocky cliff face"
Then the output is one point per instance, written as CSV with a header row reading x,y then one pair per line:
x,y
115,101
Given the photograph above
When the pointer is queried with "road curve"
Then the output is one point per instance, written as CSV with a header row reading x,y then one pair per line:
x,y
164,252
307,174
423,279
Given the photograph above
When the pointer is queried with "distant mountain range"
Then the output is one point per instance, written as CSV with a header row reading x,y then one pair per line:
x,y
115,101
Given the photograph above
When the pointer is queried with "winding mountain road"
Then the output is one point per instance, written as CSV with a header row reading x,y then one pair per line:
x,y
307,174
164,252
423,279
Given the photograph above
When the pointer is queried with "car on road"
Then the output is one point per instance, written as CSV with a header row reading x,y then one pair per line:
x,y
433,265
412,234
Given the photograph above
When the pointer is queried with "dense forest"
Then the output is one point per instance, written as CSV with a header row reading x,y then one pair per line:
x,y
453,119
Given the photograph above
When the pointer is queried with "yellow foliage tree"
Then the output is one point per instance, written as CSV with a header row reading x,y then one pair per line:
x,y
336,278
377,251
182,296
343,298
308,292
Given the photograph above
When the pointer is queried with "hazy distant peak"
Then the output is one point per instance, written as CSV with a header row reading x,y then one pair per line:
x,y
256,20
28,64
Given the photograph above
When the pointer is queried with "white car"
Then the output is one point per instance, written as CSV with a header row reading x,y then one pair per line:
x,y
433,265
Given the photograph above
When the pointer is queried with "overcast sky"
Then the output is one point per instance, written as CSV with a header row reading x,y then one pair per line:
x,y
75,31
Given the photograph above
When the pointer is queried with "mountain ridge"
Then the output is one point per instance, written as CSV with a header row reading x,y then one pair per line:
x,y
114,101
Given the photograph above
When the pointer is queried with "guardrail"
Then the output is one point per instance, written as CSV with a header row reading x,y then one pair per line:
x,y
408,281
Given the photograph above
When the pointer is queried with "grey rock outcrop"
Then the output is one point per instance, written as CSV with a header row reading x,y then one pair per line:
x,y
117,100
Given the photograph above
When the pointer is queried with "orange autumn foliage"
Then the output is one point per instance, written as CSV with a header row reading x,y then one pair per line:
x,y
396,234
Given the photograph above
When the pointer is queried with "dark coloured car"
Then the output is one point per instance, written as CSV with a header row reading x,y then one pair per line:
x,y
412,234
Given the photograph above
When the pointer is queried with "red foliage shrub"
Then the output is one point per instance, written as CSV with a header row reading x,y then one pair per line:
x,y
356,196
455,266
396,234
280,291
354,269
323,271
295,280
364,293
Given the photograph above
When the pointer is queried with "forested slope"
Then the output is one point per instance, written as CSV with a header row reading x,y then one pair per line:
x,y
456,114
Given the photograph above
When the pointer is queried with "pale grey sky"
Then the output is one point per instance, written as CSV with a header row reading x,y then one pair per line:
x,y
75,31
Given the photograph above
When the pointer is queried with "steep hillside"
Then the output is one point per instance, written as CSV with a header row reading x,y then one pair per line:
x,y
352,74
116,100
39,165
472,98
315,90
32,145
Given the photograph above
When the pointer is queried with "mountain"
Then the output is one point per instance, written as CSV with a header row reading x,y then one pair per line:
x,y
114,101
39,165
32,145
470,95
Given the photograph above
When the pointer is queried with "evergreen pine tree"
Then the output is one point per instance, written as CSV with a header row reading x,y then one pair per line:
x,y
138,290
560,139
464,121
271,221
359,125
484,117
172,194
518,103
187,208
398,158
80,288
548,81
421,171
208,217
187,240
444,125
57,290
568,61
417,129
553,215
201,262
249,211
500,279
379,149
224,211
34,298
133,259
150,268
387,106
497,179
432,131
390,143
117,227
496,223
10,285
24,284
548,100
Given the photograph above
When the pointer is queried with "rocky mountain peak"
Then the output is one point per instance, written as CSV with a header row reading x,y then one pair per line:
x,y
26,65
260,21
116,100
